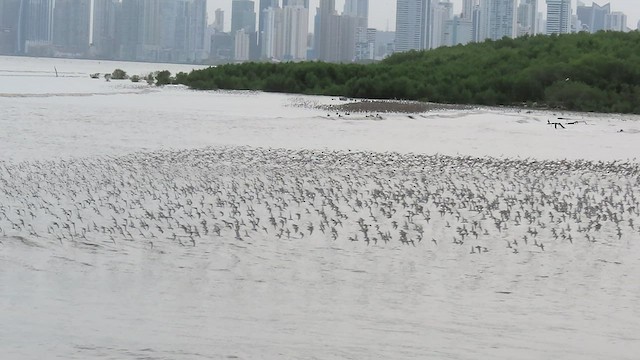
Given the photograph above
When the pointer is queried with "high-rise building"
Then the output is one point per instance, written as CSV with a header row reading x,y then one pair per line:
x,y
221,49
196,12
184,38
272,36
242,45
129,28
527,17
9,26
36,26
459,31
71,26
558,16
366,44
263,7
243,16
358,9
467,8
162,30
413,25
592,18
285,32
347,35
335,35
296,24
157,15
305,3
616,21
327,31
103,42
442,29
218,22
498,19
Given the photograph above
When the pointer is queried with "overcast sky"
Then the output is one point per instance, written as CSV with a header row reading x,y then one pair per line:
x,y
382,13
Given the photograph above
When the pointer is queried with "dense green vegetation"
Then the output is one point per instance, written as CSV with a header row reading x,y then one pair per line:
x,y
585,72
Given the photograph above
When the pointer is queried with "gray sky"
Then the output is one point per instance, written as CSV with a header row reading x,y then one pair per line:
x,y
382,13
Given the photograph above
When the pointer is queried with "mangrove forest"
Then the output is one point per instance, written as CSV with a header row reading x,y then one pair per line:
x,y
583,72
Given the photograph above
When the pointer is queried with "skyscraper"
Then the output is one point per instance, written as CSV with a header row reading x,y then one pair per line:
x,y
593,17
358,9
9,26
104,44
296,24
263,6
243,17
527,17
498,19
467,8
272,35
558,16
413,25
36,22
616,21
129,28
305,3
326,32
71,29
442,28
218,23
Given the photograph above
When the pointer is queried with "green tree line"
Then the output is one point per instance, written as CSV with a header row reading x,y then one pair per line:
x,y
583,72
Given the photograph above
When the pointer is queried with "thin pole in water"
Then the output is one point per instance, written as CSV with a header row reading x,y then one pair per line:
x,y
54,68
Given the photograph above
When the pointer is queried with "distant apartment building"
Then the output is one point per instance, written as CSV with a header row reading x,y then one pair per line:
x,y
413,25
467,9
442,27
243,18
592,18
71,27
326,32
364,46
221,48
218,22
35,32
384,44
527,17
348,28
616,21
263,7
285,31
9,27
242,45
335,35
296,25
459,31
272,34
358,9
498,19
558,17
104,43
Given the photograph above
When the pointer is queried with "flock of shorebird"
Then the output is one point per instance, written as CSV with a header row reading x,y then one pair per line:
x,y
190,197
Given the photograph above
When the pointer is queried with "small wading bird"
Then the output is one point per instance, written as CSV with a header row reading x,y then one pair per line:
x,y
199,197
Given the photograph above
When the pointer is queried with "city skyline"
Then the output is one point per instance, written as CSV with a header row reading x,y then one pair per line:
x,y
382,13
176,30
